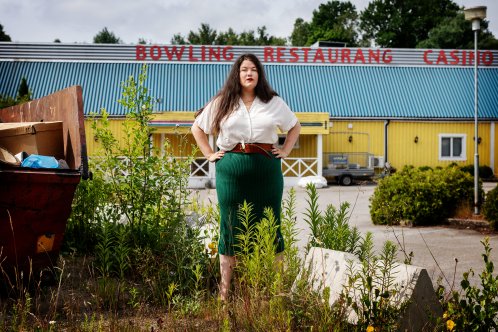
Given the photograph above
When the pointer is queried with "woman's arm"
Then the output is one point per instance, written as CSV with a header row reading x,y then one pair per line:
x,y
202,141
290,140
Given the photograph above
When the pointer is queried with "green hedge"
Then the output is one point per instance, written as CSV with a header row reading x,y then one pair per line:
x,y
421,197
485,172
490,207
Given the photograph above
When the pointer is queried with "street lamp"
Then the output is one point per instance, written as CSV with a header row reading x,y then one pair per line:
x,y
476,15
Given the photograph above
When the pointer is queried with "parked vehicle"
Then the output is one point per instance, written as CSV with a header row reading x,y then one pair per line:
x,y
35,203
345,168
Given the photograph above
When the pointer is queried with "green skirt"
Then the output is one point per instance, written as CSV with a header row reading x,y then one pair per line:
x,y
253,178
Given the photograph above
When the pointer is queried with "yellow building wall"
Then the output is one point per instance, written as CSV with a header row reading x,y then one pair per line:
x,y
404,151
93,146
366,136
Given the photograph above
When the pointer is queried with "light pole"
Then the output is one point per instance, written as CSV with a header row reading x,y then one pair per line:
x,y
476,15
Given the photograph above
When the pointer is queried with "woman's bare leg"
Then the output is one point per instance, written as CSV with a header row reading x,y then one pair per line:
x,y
227,263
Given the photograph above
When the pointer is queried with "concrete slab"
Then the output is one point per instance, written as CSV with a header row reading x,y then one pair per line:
x,y
411,287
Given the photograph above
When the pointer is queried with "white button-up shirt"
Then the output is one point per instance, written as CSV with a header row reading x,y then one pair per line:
x,y
257,125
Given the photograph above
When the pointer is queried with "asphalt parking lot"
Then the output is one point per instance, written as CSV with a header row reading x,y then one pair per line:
x,y
435,248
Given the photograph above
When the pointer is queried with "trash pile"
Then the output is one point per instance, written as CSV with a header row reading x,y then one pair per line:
x,y
32,145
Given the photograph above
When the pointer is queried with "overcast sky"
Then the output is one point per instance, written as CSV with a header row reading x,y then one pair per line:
x,y
158,20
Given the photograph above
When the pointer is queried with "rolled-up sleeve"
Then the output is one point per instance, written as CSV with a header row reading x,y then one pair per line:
x,y
286,119
205,119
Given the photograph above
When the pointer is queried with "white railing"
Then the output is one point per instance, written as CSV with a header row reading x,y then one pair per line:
x,y
300,167
291,167
199,168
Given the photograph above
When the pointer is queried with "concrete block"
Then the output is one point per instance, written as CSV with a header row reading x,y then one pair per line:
x,y
330,268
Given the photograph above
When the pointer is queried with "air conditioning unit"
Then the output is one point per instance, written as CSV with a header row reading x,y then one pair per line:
x,y
377,161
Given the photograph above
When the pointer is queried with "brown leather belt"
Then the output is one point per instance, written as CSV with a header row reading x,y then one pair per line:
x,y
261,148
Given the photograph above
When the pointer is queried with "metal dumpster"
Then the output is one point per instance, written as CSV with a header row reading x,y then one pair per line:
x,y
35,204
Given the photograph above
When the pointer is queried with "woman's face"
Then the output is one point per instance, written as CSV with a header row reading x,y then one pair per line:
x,y
248,74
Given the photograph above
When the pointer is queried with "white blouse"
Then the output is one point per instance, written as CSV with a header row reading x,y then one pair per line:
x,y
257,125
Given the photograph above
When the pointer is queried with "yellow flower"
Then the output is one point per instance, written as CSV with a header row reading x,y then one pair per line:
x,y
370,328
450,325
445,315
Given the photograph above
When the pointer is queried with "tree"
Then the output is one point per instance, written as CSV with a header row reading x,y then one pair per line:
x,y
403,23
264,39
207,36
456,32
204,36
23,92
228,38
300,33
106,37
3,35
178,40
23,95
57,40
334,21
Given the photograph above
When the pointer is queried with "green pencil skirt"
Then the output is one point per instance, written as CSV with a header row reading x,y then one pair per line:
x,y
254,178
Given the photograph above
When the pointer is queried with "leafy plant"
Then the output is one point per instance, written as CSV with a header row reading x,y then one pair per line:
x,y
331,230
132,214
476,307
372,292
490,207
485,171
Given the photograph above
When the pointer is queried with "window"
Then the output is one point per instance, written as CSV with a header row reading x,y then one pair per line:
x,y
281,140
452,147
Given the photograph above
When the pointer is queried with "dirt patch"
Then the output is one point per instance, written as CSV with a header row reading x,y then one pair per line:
x,y
477,223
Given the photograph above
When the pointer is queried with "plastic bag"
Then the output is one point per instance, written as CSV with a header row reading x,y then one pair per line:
x,y
37,161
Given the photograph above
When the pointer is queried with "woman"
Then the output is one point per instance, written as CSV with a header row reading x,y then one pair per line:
x,y
245,114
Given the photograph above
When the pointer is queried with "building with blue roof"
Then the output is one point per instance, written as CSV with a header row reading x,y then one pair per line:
x,y
406,106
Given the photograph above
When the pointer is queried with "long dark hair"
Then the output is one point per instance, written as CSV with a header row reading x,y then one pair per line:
x,y
227,99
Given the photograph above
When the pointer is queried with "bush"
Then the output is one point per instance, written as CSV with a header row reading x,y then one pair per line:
x,y
490,207
421,196
475,307
485,172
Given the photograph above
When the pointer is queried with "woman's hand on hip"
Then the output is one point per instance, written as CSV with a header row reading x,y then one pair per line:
x,y
216,156
279,153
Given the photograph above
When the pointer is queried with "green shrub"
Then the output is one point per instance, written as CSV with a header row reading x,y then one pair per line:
x,y
425,168
475,308
485,172
331,229
420,196
490,207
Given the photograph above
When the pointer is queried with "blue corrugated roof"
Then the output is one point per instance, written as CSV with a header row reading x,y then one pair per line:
x,y
342,91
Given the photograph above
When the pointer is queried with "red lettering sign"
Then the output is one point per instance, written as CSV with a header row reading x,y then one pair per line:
x,y
359,57
227,53
155,52
282,54
268,54
319,56
331,59
294,55
441,58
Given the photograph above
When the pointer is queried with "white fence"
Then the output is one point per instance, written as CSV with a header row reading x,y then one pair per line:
x,y
200,169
